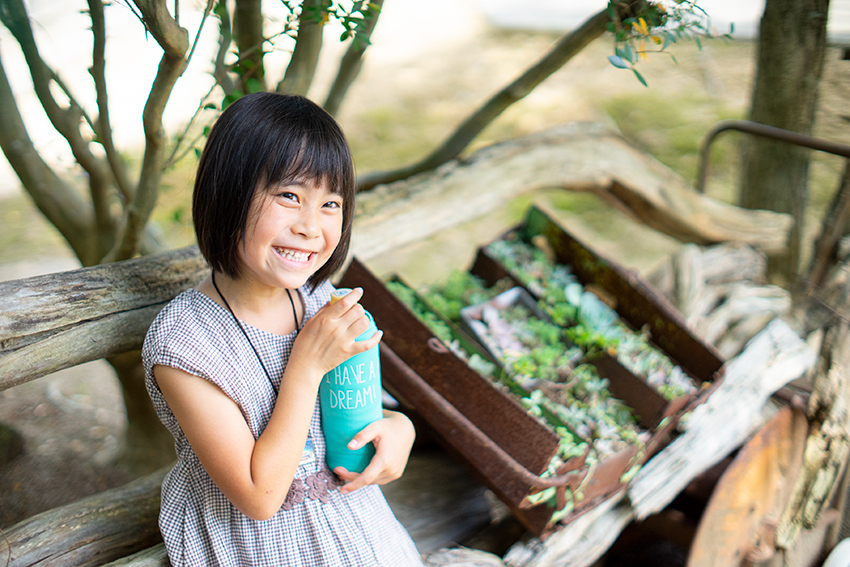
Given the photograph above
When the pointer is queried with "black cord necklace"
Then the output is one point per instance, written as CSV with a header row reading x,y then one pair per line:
x,y
244,332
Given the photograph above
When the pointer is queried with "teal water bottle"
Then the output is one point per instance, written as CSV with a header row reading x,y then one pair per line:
x,y
350,397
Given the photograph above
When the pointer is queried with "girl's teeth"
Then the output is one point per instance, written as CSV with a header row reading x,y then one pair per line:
x,y
293,255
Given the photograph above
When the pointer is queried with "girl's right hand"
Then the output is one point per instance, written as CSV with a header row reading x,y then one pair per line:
x,y
328,338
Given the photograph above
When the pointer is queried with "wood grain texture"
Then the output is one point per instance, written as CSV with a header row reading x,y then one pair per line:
x,y
90,531
55,321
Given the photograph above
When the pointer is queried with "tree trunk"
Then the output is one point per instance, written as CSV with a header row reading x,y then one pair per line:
x,y
248,29
790,61
352,61
305,57
147,443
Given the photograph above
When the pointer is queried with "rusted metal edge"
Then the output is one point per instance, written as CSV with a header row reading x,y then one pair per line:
x,y
448,411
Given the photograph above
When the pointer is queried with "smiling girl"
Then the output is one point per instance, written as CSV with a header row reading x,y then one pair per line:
x,y
233,366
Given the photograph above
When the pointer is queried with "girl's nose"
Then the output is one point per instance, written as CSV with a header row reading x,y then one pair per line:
x,y
307,224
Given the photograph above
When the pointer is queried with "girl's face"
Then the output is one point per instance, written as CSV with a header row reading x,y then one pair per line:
x,y
292,231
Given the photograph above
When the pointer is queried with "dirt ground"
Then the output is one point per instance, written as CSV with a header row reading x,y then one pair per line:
x,y
72,422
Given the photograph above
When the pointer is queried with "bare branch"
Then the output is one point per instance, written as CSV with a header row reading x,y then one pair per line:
x,y
170,161
352,61
207,10
174,157
67,120
62,206
567,47
225,35
302,67
174,41
67,91
102,127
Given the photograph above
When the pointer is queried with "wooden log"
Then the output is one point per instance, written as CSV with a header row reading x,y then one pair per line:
x,y
717,427
90,531
56,321
828,447
720,291
584,157
740,302
741,515
155,556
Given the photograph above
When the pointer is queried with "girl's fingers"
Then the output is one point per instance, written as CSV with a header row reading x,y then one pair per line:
x,y
370,475
392,449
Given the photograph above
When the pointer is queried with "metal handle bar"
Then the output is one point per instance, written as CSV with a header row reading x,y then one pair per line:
x,y
765,131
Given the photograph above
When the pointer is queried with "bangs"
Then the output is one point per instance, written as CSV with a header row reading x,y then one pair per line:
x,y
318,157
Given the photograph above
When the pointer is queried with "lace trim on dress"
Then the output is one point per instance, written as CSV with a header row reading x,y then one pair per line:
x,y
317,486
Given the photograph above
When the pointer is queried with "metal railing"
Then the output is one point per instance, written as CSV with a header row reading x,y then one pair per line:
x,y
763,131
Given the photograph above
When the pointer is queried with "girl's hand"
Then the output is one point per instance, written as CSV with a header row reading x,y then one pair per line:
x,y
393,438
327,339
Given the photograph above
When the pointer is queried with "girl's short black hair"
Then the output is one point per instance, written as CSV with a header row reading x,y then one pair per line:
x,y
260,140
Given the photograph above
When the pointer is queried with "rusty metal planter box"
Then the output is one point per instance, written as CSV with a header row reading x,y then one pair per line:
x,y
506,447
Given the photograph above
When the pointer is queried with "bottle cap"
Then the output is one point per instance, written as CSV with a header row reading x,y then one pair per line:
x,y
338,294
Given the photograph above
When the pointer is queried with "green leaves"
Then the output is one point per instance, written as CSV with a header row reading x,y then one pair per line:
x,y
618,62
655,23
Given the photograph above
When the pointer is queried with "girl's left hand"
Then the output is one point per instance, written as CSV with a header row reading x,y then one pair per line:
x,y
393,438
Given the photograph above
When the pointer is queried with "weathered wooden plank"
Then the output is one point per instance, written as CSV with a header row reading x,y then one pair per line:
x,y
53,301
55,321
752,492
90,531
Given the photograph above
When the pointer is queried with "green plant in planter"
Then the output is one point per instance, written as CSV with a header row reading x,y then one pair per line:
x,y
440,329
590,323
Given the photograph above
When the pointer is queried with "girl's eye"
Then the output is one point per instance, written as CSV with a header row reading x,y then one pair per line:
x,y
288,195
333,205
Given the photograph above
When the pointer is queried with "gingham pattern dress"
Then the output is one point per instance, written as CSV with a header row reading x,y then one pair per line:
x,y
317,526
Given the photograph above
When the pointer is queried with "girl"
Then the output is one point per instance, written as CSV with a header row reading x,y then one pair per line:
x,y
233,366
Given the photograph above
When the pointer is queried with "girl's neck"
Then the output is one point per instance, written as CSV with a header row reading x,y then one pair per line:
x,y
264,307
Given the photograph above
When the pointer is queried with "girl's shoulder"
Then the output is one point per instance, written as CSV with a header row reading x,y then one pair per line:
x,y
190,314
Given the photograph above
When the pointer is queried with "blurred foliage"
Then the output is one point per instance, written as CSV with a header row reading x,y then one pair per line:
x,y
672,128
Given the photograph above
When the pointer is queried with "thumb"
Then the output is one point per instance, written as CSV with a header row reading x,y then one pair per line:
x,y
364,436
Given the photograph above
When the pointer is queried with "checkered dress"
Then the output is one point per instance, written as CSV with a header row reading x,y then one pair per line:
x,y
317,525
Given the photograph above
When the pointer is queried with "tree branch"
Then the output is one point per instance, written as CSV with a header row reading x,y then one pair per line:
x,y
562,52
352,61
102,126
225,38
63,207
302,67
174,41
66,121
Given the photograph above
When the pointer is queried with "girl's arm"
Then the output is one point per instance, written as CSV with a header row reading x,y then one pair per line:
x,y
393,438
255,475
